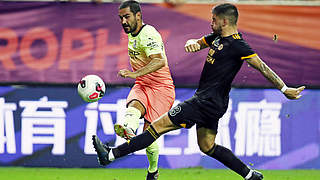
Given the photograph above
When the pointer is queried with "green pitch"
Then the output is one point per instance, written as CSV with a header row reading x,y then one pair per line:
x,y
139,174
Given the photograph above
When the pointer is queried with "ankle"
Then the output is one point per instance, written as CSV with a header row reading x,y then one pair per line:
x,y
111,156
249,175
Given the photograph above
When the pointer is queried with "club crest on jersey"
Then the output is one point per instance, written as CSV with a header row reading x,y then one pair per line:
x,y
174,111
216,42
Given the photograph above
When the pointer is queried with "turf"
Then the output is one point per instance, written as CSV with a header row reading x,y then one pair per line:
x,y
14,173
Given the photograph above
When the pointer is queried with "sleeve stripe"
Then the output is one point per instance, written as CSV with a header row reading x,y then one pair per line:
x,y
204,40
250,56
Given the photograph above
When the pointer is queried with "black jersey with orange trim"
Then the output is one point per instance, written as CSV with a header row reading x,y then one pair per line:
x,y
224,60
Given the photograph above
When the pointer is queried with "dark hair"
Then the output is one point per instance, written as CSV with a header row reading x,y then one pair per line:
x,y
227,10
134,6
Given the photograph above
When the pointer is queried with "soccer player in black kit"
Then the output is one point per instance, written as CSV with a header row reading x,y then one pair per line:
x,y
226,55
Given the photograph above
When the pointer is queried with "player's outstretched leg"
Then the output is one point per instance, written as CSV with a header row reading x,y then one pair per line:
x,y
102,151
225,156
143,140
130,124
152,152
106,155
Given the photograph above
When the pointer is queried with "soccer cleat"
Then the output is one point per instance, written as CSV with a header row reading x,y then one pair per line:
x,y
102,151
124,131
153,176
256,175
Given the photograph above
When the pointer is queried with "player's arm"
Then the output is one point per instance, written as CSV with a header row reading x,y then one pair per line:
x,y
157,62
194,45
266,71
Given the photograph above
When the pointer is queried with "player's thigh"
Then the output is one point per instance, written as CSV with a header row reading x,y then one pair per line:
x,y
206,138
137,98
163,124
160,101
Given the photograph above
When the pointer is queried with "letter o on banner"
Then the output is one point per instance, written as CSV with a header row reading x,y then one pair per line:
x,y
10,49
39,33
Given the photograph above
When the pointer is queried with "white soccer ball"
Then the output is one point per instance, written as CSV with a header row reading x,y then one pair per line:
x,y
91,88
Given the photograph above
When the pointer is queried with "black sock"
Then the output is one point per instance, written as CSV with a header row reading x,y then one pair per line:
x,y
227,157
136,143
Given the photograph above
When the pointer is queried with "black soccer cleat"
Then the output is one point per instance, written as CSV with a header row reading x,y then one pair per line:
x,y
256,175
102,151
153,176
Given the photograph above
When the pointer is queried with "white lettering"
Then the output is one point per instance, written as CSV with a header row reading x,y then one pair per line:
x,y
258,129
43,126
7,134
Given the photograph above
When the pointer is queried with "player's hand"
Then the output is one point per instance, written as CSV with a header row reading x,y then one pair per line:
x,y
294,93
192,46
125,73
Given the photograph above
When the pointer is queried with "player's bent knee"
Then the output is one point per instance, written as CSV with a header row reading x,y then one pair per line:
x,y
209,151
205,145
163,124
206,139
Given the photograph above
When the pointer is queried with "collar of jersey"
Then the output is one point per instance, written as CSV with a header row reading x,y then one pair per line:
x,y
138,31
231,36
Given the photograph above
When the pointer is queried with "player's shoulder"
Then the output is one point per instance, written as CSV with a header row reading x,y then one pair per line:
x,y
239,44
237,39
149,30
236,36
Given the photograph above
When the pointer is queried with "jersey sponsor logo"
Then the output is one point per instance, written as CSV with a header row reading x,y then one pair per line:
x,y
133,54
211,52
210,59
174,111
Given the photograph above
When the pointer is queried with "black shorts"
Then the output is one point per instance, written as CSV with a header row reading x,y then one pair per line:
x,y
198,111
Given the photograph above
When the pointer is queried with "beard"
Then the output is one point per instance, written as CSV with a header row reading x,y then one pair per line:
x,y
129,28
217,31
